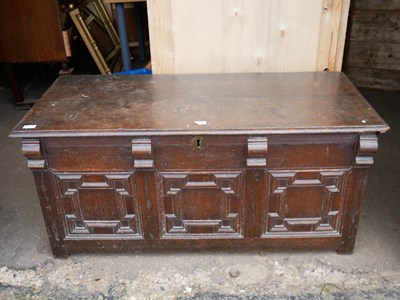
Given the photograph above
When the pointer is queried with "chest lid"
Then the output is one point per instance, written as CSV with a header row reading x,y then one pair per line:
x,y
267,103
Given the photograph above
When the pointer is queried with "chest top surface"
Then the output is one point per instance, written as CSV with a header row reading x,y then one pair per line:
x,y
272,103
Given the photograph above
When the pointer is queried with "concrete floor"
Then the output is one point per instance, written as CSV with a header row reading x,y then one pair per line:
x,y
28,270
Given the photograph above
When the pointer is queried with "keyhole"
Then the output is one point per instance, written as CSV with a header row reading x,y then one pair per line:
x,y
197,143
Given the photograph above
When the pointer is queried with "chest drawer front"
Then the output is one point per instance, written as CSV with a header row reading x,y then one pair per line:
x,y
88,154
311,151
200,152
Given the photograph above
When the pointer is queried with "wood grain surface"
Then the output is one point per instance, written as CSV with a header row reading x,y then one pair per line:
x,y
169,104
206,36
30,31
373,47
201,162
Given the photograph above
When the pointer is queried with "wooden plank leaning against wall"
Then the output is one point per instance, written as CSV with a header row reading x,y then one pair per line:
x,y
373,53
206,36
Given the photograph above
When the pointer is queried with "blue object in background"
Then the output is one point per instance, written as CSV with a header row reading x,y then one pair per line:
x,y
123,36
141,71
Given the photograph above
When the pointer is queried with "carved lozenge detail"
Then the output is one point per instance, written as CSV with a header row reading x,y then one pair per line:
x,y
99,205
304,203
201,204
367,146
142,153
32,151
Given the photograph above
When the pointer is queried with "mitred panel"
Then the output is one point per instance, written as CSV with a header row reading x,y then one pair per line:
x,y
99,205
304,203
208,205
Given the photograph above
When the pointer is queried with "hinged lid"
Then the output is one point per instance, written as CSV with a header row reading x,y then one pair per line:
x,y
268,103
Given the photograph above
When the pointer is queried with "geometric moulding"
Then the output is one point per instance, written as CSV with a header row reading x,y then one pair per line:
x,y
99,206
304,203
201,205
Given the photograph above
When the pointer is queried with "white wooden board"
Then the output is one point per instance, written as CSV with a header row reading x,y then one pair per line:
x,y
227,36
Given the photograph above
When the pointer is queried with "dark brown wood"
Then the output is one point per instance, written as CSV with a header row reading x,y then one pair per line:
x,y
44,181
381,79
277,161
377,5
384,56
373,44
30,31
367,147
171,104
366,24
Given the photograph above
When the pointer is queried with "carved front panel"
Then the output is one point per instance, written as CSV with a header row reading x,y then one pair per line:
x,y
199,205
99,205
304,203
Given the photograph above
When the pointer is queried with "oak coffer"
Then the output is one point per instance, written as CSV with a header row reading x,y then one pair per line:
x,y
195,162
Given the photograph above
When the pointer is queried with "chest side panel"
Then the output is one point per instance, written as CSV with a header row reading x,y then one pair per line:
x,y
95,186
306,181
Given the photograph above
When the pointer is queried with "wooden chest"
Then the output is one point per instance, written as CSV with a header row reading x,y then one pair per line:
x,y
195,162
